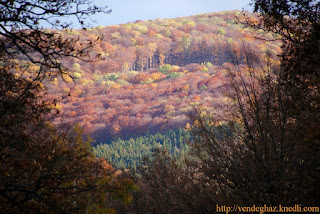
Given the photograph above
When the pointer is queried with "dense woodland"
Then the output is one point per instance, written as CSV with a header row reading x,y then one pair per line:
x,y
152,73
122,154
193,112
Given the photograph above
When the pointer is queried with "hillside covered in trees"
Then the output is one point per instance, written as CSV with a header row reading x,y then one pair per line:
x,y
152,73
247,99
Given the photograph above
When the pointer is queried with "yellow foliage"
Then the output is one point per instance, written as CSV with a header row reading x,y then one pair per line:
x,y
152,47
168,108
55,81
116,86
40,85
116,128
153,85
66,78
77,75
33,68
77,92
156,76
86,81
56,106
185,87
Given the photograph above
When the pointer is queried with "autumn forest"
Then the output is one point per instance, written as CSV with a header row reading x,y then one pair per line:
x,y
152,73
159,116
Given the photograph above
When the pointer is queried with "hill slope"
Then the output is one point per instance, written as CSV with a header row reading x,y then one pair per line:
x,y
153,73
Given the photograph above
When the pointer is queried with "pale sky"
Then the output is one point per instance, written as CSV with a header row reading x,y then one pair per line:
x,y
124,11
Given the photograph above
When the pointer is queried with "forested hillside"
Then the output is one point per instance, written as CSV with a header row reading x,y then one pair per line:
x,y
210,113
152,73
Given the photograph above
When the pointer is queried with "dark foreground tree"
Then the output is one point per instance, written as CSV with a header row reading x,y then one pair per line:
x,y
298,22
272,155
45,169
264,154
167,187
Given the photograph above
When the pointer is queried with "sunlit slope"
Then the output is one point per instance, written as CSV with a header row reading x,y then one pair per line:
x,y
152,73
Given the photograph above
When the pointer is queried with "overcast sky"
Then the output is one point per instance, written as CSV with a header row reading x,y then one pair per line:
x,y
124,11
